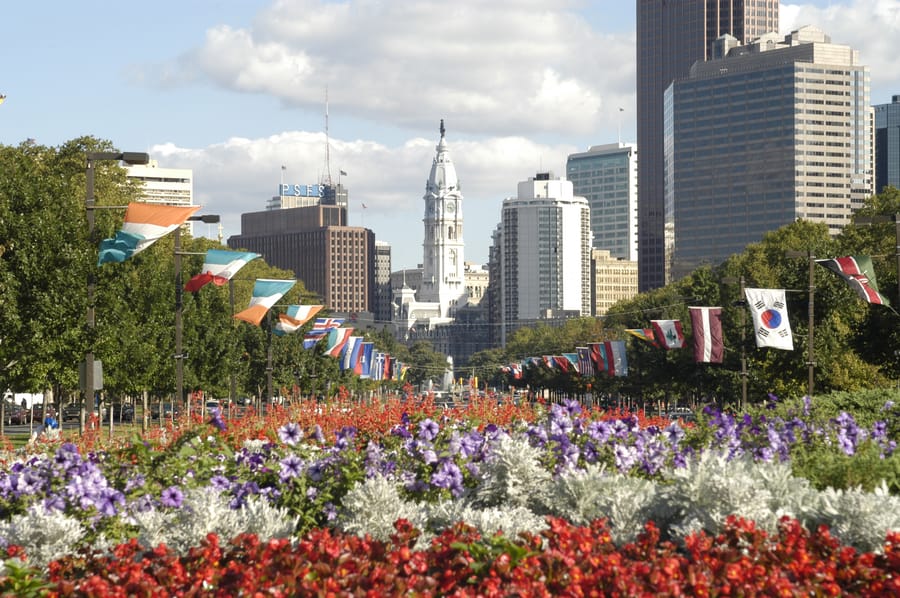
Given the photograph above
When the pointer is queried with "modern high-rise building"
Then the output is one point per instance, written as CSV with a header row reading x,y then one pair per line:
x,y
887,144
333,260
606,175
545,253
775,131
671,36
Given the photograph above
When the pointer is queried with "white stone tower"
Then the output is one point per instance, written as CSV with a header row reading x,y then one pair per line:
x,y
443,269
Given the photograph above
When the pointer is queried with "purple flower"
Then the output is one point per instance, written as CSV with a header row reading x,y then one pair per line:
x,y
290,433
428,430
172,497
448,476
216,420
312,492
291,467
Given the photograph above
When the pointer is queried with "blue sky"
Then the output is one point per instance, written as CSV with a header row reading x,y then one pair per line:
x,y
234,89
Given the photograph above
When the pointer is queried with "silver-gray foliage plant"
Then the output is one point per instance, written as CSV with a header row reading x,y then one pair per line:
x,y
206,510
45,535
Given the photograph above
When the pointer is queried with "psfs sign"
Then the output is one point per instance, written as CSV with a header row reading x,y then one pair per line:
x,y
301,190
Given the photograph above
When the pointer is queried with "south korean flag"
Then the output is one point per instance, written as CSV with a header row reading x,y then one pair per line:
x,y
770,318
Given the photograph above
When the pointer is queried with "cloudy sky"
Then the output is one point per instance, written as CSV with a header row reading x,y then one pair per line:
x,y
236,89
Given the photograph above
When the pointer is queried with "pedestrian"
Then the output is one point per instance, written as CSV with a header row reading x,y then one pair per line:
x,y
51,427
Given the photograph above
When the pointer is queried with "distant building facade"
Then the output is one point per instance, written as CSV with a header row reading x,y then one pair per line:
x,y
806,102
477,278
383,294
606,175
545,254
671,37
887,144
612,280
333,260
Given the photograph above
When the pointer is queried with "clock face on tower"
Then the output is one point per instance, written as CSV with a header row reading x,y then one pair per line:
x,y
451,206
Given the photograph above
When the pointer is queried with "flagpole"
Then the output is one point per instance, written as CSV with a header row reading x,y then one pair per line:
x,y
810,351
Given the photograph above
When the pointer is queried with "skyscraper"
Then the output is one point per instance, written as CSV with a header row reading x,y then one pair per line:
x,y
793,143
671,36
545,253
887,144
606,175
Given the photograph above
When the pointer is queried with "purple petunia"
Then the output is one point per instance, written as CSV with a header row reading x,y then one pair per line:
x,y
428,430
291,467
172,497
290,433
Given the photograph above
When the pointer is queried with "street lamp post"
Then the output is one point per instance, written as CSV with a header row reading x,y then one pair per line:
x,y
179,304
90,206
810,351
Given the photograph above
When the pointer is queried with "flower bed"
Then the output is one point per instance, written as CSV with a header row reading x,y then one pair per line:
x,y
309,499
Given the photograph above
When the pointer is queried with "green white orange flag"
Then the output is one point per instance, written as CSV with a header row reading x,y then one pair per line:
x,y
266,292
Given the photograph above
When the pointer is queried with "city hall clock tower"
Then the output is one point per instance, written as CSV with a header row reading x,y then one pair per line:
x,y
443,270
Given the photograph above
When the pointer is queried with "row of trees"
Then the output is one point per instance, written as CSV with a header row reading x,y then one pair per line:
x,y
856,345
46,258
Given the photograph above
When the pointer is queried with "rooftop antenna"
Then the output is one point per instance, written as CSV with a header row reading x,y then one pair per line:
x,y
327,144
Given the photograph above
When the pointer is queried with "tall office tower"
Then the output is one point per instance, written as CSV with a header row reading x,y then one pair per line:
x,y
671,36
612,280
887,144
546,253
773,132
383,294
443,278
606,175
332,259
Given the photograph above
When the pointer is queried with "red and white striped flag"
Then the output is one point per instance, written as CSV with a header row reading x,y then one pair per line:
x,y
707,325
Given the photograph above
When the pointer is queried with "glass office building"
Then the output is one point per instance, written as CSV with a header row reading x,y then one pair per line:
x,y
887,145
773,132
672,36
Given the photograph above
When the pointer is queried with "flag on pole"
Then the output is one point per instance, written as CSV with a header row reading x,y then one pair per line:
x,y
343,172
706,323
598,356
320,329
294,317
859,274
145,223
645,334
365,359
337,338
585,365
616,360
350,353
770,318
266,292
218,268
668,333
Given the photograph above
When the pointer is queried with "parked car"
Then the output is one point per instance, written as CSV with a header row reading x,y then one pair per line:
x,y
15,414
122,412
167,410
38,414
71,412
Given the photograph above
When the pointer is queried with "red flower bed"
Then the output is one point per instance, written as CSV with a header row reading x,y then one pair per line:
x,y
563,561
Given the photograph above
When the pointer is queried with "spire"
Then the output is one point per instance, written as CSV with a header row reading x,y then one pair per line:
x,y
443,173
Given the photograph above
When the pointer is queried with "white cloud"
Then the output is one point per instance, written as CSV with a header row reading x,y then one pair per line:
x,y
503,67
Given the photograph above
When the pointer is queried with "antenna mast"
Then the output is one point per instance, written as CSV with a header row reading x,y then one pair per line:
x,y
327,144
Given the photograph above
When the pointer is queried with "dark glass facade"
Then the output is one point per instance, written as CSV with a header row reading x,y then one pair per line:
x,y
671,36
887,145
